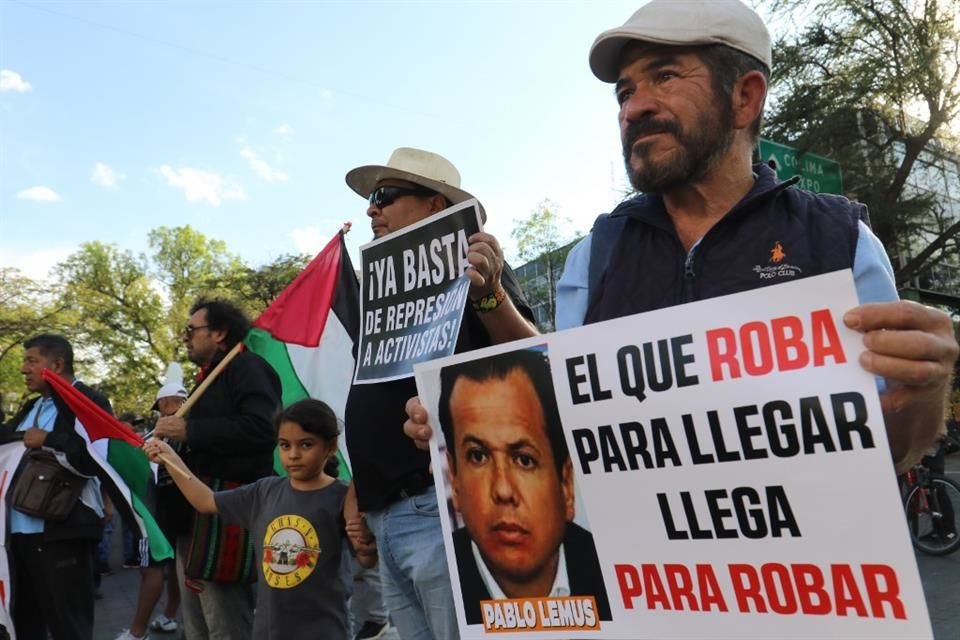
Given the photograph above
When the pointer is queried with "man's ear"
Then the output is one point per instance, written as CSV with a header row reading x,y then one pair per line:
x,y
748,96
56,365
454,493
219,336
438,203
569,494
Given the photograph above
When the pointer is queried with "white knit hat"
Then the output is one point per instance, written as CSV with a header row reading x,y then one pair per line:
x,y
172,383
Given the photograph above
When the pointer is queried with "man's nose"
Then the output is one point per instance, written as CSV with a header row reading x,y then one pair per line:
x,y
373,210
502,487
641,104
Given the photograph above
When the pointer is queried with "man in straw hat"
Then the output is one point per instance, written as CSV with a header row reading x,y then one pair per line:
x,y
392,479
691,80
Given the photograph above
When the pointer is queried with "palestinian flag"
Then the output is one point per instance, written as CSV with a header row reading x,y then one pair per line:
x,y
127,475
308,333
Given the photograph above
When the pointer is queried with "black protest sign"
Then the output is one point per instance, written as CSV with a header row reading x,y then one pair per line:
x,y
413,293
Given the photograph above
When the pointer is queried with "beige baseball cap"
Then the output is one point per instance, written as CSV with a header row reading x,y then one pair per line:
x,y
683,23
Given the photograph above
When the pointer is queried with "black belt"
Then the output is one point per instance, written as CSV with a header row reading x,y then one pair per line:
x,y
414,483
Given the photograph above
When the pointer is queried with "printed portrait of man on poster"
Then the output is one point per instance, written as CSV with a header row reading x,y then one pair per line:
x,y
512,482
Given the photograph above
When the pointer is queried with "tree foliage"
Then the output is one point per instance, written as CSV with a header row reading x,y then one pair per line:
x,y
123,328
545,237
26,309
874,85
127,310
257,287
184,259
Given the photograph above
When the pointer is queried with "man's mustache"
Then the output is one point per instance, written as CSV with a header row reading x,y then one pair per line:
x,y
648,126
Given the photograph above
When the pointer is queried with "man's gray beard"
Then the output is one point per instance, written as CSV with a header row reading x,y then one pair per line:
x,y
700,150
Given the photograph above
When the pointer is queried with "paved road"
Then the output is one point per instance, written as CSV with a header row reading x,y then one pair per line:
x,y
940,576
115,611
941,580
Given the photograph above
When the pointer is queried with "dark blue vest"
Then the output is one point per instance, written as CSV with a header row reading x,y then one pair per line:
x,y
775,234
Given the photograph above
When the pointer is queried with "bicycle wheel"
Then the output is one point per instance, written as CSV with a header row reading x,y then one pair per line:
x,y
934,528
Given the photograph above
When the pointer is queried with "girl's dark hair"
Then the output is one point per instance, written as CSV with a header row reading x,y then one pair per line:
x,y
316,417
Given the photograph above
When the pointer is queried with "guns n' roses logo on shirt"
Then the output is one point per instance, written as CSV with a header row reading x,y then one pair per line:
x,y
290,551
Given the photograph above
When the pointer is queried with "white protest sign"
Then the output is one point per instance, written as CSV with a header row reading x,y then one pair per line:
x,y
413,292
10,456
727,457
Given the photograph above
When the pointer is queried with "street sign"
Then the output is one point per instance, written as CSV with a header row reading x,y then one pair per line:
x,y
816,172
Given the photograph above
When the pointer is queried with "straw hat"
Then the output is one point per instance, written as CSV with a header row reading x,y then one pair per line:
x,y
424,168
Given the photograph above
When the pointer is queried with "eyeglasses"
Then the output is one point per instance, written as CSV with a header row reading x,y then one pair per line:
x,y
386,196
189,330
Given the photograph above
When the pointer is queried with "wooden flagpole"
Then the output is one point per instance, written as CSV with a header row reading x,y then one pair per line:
x,y
208,380
170,464
192,400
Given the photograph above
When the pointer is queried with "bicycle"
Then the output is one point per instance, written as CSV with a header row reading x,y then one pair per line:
x,y
932,507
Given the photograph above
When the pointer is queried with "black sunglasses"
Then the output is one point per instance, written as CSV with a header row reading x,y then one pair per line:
x,y
386,196
189,330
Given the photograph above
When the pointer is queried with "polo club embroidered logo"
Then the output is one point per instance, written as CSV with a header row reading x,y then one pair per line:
x,y
777,267
777,254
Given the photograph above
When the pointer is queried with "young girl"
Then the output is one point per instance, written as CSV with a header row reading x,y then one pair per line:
x,y
296,523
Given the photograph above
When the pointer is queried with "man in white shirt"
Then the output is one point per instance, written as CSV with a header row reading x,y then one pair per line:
x,y
51,562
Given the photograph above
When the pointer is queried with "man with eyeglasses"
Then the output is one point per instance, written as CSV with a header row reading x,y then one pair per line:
x,y
229,436
392,479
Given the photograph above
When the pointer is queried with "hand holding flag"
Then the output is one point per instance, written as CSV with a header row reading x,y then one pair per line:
x,y
97,422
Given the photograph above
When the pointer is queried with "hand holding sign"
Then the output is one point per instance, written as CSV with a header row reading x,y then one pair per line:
x,y
914,348
911,345
486,265
416,426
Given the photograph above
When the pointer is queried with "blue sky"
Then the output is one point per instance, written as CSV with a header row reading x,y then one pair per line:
x,y
241,118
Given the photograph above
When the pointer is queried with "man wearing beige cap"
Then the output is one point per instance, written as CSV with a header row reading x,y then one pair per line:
x,y
392,479
691,80
691,77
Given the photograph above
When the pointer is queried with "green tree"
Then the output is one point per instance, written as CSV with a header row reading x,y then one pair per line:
x,y
874,85
189,265
26,309
543,243
123,336
128,310
256,287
